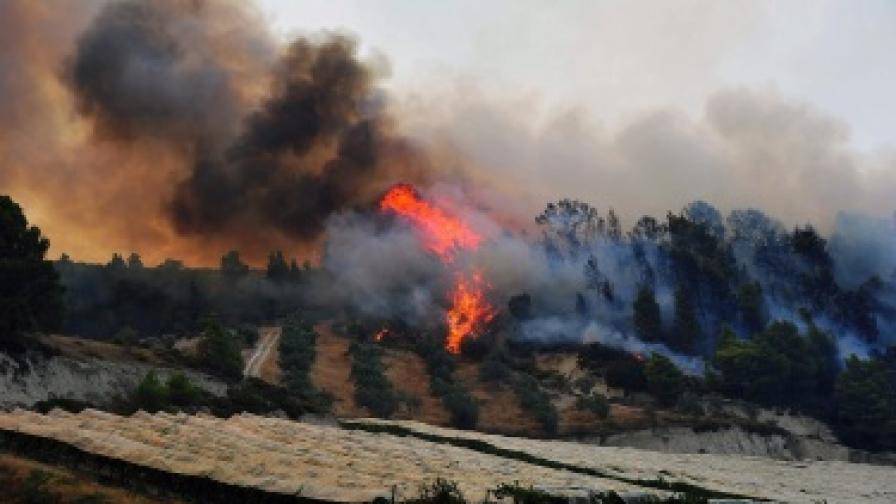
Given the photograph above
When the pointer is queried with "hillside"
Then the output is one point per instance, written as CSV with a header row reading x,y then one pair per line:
x,y
337,464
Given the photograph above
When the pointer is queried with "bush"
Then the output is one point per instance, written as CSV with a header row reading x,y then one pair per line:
x,y
439,492
219,351
373,390
595,403
181,392
462,406
664,380
493,368
626,375
534,401
297,354
151,395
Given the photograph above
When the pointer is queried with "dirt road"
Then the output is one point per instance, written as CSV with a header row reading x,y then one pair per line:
x,y
268,339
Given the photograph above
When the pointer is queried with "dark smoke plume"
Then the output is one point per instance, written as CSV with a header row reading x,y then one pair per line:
x,y
319,144
314,140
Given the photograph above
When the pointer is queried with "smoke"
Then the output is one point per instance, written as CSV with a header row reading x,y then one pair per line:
x,y
750,148
183,128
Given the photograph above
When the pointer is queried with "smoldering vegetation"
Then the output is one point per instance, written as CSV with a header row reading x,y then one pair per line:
x,y
670,284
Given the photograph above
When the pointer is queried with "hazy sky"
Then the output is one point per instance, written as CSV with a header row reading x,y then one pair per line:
x,y
616,59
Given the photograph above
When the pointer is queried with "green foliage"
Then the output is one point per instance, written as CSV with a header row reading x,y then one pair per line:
x,y
373,390
461,405
30,292
777,366
685,327
439,492
180,391
664,380
750,306
595,403
647,320
297,354
219,351
866,404
536,402
151,394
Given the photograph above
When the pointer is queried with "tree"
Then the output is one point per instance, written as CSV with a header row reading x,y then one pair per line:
x,y
866,403
116,265
151,395
30,292
134,262
685,327
647,319
749,305
278,270
219,351
232,266
664,380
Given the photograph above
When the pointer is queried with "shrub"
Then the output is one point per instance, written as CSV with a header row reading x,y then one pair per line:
x,y
439,492
151,395
372,388
534,401
595,403
493,368
219,351
462,406
34,489
664,380
181,392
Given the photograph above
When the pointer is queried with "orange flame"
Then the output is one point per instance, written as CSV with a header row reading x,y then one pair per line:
x,y
444,234
469,310
378,337
441,232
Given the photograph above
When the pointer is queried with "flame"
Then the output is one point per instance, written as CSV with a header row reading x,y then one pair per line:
x,y
441,232
378,337
469,310
444,235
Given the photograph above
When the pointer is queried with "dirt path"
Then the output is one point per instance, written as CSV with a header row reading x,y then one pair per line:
x,y
265,350
331,372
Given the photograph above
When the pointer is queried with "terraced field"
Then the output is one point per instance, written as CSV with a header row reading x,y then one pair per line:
x,y
339,464
318,461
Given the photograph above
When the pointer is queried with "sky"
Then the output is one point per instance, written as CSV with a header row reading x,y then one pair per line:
x,y
614,60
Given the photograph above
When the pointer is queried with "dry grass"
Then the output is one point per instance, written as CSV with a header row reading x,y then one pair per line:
x,y
408,374
331,372
278,455
81,348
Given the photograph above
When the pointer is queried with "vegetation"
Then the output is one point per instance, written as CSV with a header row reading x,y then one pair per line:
x,y
30,292
595,403
461,405
535,402
219,351
373,390
664,380
297,351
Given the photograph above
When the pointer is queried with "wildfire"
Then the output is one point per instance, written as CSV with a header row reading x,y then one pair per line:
x,y
444,234
441,232
469,310
378,337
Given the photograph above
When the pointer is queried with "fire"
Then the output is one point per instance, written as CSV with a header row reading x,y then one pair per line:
x,y
378,337
444,234
469,310
441,232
